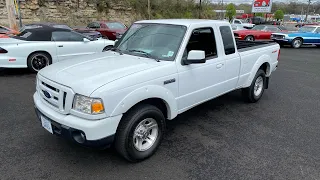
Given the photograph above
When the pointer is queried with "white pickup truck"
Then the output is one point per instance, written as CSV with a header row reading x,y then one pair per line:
x,y
157,70
244,24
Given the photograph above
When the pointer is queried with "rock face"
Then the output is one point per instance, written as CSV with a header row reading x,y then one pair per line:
x,y
72,12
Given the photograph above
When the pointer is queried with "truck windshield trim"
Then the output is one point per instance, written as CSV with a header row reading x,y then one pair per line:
x,y
161,41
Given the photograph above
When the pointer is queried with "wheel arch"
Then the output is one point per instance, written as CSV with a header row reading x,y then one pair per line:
x,y
262,63
41,51
153,95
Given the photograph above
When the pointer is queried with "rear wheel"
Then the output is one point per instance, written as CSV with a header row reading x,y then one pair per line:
x,y
38,61
254,92
140,132
297,43
318,46
249,38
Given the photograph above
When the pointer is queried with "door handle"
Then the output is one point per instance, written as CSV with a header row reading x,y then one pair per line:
x,y
60,46
219,66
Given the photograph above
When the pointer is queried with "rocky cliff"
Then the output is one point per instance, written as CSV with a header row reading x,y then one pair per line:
x,y
72,12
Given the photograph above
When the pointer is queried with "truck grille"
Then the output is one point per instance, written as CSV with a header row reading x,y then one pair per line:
x,y
57,96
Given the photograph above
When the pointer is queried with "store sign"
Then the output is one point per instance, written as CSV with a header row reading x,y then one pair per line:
x,y
263,6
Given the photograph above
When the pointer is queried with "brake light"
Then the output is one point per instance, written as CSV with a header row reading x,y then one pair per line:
x,y
3,51
278,54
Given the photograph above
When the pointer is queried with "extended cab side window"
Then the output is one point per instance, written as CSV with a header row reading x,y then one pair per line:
x,y
202,39
227,38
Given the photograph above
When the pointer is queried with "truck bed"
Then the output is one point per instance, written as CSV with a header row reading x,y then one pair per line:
x,y
249,45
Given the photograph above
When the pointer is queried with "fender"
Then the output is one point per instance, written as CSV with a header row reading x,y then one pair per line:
x,y
147,92
262,59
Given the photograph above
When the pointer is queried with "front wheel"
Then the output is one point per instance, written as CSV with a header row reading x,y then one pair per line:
x,y
297,43
254,92
249,38
38,61
140,132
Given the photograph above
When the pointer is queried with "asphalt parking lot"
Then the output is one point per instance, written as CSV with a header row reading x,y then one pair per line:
x,y
277,138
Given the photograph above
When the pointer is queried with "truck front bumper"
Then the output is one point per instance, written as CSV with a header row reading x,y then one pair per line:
x,y
90,133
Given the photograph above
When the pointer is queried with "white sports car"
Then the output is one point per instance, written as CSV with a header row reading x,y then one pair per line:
x,y
38,47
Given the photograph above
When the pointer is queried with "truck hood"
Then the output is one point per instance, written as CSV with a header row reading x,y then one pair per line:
x,y
88,73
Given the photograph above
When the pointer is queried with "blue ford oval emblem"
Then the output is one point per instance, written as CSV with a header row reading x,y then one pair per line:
x,y
47,94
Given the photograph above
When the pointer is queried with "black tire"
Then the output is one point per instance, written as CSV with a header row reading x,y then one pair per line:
x,y
124,140
297,43
318,46
249,38
249,92
107,48
44,60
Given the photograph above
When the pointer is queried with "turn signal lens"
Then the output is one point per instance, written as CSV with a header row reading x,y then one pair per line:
x,y
88,105
97,107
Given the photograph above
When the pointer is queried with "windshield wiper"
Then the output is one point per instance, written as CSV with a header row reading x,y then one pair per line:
x,y
148,55
115,50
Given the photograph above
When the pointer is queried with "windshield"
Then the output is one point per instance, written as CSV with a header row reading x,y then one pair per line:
x,y
307,29
115,25
243,20
159,40
258,27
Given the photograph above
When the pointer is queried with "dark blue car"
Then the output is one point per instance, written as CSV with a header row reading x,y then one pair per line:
x,y
306,35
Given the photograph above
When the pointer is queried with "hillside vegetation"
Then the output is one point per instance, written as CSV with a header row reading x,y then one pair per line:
x,y
165,8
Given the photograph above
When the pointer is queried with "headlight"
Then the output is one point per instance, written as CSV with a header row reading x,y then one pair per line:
x,y
88,105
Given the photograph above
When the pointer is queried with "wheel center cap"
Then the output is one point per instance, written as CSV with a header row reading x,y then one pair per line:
x,y
142,132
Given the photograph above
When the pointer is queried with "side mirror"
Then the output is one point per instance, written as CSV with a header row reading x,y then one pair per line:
x,y
195,57
86,40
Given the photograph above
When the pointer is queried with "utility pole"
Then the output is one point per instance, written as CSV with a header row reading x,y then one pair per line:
x,y
309,2
223,10
11,15
200,9
149,9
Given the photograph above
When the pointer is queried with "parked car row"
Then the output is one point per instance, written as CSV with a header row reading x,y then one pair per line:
x,y
306,35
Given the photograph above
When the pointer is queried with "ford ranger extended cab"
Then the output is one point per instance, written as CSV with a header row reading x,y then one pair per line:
x,y
157,70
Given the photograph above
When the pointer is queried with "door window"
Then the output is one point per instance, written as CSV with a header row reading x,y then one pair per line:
x,y
202,39
66,36
227,39
318,30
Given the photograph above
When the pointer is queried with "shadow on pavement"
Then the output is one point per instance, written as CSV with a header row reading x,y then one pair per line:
x,y
14,72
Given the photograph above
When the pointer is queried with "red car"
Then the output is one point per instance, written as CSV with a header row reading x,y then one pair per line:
x,y
258,32
109,29
5,32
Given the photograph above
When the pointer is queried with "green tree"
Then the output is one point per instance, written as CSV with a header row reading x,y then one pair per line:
x,y
278,14
230,11
260,14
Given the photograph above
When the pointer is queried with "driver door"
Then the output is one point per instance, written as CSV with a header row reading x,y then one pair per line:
x,y
201,82
70,44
